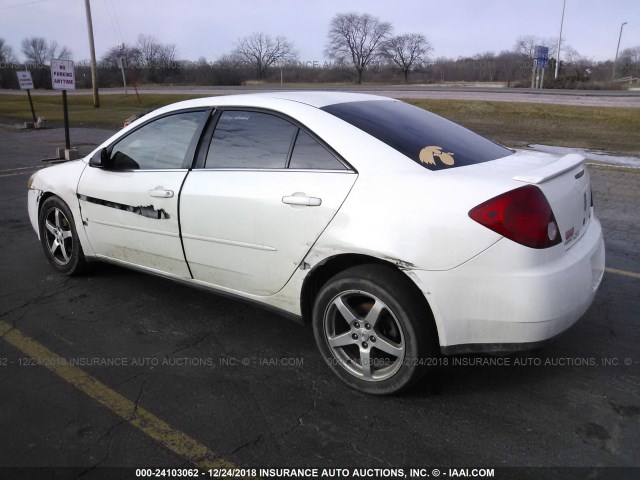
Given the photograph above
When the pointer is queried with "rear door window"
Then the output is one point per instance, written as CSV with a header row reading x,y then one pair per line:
x,y
309,154
247,139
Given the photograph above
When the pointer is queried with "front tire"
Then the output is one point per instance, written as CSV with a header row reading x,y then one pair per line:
x,y
59,237
374,329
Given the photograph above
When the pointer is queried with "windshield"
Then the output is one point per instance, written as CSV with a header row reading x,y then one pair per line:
x,y
426,138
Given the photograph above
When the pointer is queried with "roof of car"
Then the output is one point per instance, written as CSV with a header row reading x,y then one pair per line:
x,y
312,98
322,99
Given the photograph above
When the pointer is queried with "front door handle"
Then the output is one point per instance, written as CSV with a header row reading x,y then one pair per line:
x,y
302,199
161,192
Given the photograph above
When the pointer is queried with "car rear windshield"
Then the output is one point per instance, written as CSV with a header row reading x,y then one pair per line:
x,y
426,138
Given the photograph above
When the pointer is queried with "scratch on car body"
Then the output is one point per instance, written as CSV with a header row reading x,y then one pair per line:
x,y
402,264
148,211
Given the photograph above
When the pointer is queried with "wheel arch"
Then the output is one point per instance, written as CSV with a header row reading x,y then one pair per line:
x,y
48,194
328,268
44,197
77,219
57,243
40,199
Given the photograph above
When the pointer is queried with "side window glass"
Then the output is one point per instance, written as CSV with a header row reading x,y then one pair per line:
x,y
250,140
161,144
308,153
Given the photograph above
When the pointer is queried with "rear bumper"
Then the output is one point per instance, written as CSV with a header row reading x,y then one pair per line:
x,y
512,298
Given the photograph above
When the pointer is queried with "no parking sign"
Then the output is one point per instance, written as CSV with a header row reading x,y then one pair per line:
x,y
63,78
25,80
63,75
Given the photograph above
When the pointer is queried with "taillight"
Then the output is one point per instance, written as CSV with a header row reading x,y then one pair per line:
x,y
522,215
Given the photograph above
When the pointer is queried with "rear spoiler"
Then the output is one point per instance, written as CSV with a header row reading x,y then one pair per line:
x,y
552,170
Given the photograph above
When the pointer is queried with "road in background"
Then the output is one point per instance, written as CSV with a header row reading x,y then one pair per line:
x,y
593,98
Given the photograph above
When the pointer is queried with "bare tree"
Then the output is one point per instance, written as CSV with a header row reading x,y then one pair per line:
x,y
406,51
526,45
149,48
168,55
6,53
58,52
233,60
570,54
578,65
8,64
262,51
202,62
356,38
629,62
131,55
510,67
38,52
632,55
231,69
154,54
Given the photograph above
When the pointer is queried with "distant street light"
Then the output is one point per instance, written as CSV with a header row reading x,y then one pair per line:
x,y
617,49
564,4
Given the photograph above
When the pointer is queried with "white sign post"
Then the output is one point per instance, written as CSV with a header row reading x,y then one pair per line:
x,y
63,78
540,60
26,83
121,63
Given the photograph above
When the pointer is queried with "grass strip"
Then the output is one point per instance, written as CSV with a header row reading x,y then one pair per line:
x,y
610,129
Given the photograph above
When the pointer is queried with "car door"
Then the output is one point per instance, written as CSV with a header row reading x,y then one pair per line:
x,y
129,204
266,191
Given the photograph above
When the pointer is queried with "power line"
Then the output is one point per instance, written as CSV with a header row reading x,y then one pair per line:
x,y
113,17
113,23
23,4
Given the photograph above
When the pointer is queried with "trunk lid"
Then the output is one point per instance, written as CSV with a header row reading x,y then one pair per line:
x,y
564,180
566,183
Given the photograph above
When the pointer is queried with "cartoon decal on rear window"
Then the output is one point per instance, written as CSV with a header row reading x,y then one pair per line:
x,y
429,155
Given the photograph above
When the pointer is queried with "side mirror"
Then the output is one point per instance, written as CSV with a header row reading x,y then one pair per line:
x,y
100,159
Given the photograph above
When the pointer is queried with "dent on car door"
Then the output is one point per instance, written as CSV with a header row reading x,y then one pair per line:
x,y
129,204
266,192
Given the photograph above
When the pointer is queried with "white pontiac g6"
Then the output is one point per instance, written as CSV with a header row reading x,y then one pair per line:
x,y
396,234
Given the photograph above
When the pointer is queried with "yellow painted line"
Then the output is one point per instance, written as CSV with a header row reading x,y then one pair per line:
x,y
622,272
13,174
21,168
174,440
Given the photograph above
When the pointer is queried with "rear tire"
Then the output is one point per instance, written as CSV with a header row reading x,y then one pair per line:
x,y
59,237
374,329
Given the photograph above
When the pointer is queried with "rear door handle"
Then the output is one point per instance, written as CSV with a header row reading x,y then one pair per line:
x,y
297,199
161,192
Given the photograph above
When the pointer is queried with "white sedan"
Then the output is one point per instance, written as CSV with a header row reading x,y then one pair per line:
x,y
396,234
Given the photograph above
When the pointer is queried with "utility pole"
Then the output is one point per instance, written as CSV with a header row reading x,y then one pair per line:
x,y
92,49
617,49
564,4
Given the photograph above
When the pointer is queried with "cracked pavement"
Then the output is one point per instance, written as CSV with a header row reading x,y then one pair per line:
x,y
252,387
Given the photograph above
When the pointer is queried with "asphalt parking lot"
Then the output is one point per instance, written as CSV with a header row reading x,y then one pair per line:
x,y
166,376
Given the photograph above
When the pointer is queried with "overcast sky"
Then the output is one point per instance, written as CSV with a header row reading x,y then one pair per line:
x,y
210,28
